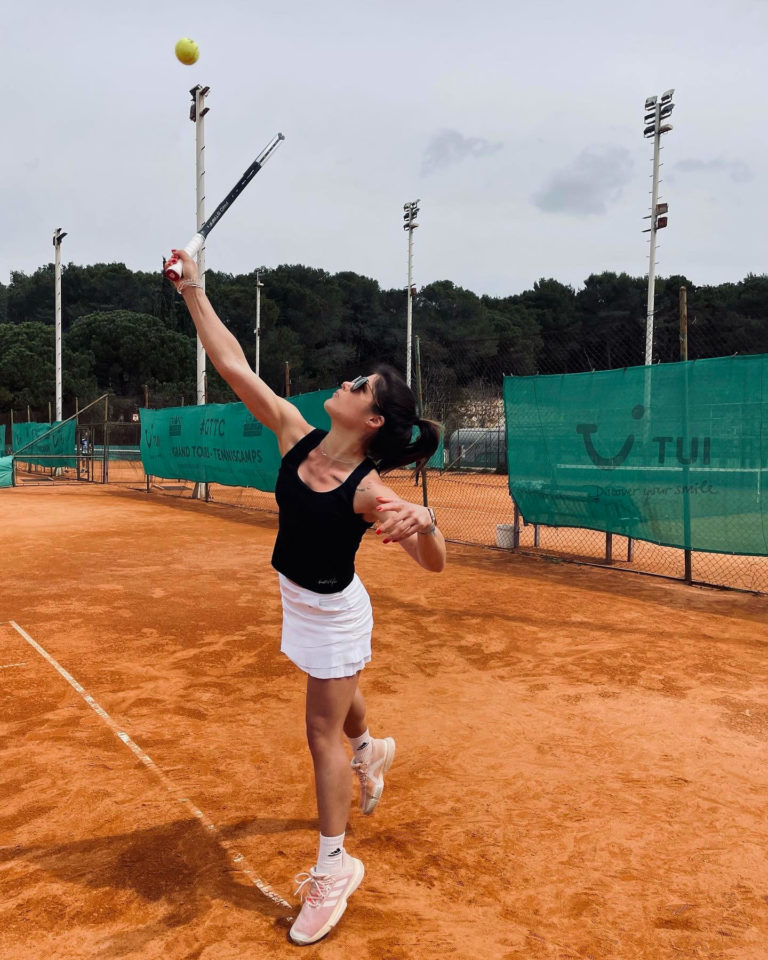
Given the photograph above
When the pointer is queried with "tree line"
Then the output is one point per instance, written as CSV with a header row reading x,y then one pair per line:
x,y
128,332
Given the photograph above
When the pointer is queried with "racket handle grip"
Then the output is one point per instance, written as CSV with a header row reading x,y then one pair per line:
x,y
173,267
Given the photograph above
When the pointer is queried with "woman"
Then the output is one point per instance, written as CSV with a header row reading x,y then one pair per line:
x,y
329,491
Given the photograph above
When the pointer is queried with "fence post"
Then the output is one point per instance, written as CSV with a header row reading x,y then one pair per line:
x,y
105,449
420,412
516,529
687,573
608,547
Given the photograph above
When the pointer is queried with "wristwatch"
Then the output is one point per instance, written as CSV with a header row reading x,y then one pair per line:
x,y
432,529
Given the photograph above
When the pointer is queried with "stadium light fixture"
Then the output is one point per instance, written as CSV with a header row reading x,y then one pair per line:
x,y
411,211
656,109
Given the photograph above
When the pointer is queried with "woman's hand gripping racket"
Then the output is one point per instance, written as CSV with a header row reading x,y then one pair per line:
x,y
173,267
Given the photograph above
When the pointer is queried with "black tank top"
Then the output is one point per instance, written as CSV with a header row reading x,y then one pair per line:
x,y
319,533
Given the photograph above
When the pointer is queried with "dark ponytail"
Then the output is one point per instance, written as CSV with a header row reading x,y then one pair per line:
x,y
392,446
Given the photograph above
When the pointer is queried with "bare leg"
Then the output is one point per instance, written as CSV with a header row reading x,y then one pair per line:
x,y
329,702
355,723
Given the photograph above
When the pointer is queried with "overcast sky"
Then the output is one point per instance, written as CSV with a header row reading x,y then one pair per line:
x,y
518,125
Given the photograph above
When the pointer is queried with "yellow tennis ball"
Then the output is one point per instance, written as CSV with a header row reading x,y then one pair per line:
x,y
187,51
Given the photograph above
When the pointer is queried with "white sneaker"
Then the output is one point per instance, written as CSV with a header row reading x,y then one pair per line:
x,y
371,772
325,898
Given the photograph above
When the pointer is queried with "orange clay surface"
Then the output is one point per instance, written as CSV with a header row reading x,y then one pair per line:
x,y
581,754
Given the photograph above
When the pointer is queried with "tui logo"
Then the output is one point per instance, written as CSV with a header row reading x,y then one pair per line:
x,y
699,448
587,429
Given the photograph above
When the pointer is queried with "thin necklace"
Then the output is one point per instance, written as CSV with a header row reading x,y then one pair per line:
x,y
337,459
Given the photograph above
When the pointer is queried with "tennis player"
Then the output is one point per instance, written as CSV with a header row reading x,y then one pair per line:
x,y
329,492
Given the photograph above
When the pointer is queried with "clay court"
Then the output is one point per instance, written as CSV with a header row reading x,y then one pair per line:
x,y
581,752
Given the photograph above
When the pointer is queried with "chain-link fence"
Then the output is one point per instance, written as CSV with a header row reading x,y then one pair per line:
x,y
462,387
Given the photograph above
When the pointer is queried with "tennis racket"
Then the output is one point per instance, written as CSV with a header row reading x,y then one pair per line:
x,y
173,267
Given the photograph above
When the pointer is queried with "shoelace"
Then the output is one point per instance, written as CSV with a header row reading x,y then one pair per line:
x,y
361,769
319,887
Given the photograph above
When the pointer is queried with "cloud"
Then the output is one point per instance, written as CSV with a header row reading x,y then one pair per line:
x,y
449,147
596,178
737,170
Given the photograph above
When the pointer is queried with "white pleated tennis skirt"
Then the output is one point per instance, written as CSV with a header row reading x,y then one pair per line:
x,y
327,635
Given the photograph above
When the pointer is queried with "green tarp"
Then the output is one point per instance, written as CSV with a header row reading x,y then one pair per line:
x,y
219,443
437,460
6,472
55,439
2,439
676,454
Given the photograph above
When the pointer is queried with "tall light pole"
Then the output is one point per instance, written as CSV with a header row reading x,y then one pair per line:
x,y
657,110
197,114
411,212
257,331
58,236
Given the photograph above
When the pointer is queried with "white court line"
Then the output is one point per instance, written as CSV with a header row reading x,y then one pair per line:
x,y
241,864
7,666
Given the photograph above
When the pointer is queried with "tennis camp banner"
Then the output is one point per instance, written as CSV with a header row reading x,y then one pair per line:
x,y
45,444
219,442
674,453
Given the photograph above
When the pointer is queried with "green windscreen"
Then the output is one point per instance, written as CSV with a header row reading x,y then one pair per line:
x,y
219,442
6,471
2,439
45,444
676,454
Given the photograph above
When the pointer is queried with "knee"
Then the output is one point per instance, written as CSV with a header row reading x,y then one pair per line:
x,y
322,737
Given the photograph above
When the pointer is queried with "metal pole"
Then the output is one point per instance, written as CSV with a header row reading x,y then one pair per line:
x,y
652,255
257,331
420,411
58,236
287,379
199,93
516,528
409,322
105,448
197,114
687,553
683,323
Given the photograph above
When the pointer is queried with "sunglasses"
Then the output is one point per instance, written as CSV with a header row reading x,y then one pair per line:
x,y
358,383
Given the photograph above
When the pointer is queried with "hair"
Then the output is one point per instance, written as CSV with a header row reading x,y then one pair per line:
x,y
392,444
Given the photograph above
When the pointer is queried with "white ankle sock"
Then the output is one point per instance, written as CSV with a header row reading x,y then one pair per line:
x,y
329,856
361,746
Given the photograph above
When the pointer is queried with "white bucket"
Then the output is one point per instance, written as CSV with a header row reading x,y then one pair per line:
x,y
505,535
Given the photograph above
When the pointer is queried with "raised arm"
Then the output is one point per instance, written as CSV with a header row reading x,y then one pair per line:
x,y
226,354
